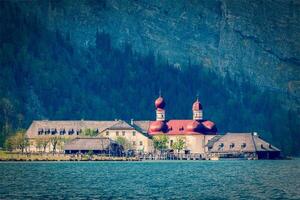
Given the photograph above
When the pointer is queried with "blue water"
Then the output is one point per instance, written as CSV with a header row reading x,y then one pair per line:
x,y
151,180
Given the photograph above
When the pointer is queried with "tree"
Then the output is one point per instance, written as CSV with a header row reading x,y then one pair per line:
x,y
6,111
45,141
9,144
21,140
160,142
179,144
55,141
89,132
124,143
41,143
18,141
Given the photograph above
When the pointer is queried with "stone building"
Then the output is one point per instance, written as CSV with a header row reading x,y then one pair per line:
x,y
96,145
199,134
242,145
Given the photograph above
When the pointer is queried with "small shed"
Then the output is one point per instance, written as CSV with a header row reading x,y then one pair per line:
x,y
97,145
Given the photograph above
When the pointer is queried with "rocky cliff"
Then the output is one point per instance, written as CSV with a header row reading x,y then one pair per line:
x,y
258,40
254,40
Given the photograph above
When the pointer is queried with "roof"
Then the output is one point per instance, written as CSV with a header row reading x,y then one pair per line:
x,y
141,125
88,144
239,142
179,127
211,142
120,125
32,131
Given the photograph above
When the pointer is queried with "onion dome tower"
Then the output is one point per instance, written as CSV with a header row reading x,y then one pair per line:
x,y
197,110
160,112
159,125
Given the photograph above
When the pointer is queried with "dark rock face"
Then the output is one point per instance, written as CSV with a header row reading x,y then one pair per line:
x,y
258,40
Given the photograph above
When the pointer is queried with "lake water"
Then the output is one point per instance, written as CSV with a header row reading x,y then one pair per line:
x,y
263,179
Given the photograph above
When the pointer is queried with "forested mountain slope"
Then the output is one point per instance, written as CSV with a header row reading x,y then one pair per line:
x,y
46,74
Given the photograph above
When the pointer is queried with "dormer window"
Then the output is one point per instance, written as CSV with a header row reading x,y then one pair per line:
x,y
133,133
243,145
53,131
47,131
71,131
221,145
62,131
107,133
40,131
231,145
78,131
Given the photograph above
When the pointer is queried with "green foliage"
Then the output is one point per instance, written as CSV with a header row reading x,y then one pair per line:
x,y
179,144
160,142
89,132
90,153
55,141
124,143
18,141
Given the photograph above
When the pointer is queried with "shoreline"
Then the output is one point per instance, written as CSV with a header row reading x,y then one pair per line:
x,y
28,157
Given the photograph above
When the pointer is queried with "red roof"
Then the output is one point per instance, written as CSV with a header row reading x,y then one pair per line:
x,y
158,126
197,105
208,124
183,127
193,126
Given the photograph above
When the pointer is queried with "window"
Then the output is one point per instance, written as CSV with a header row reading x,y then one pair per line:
x,y
133,143
53,131
123,133
71,131
133,133
243,145
141,143
231,145
221,146
107,133
40,131
47,131
62,131
117,133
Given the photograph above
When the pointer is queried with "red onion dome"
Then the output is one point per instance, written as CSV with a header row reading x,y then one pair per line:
x,y
197,105
160,103
193,126
157,126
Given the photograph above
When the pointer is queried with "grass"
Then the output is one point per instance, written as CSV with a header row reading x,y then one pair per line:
x,y
13,156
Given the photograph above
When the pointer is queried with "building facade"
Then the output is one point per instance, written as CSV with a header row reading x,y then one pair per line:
x,y
199,134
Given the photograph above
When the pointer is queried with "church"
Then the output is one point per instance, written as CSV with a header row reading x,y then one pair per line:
x,y
198,134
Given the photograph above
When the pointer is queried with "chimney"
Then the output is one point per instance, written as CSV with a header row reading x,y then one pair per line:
x,y
131,121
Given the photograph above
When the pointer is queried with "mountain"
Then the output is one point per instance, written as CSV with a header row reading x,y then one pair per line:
x,y
254,39
94,59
